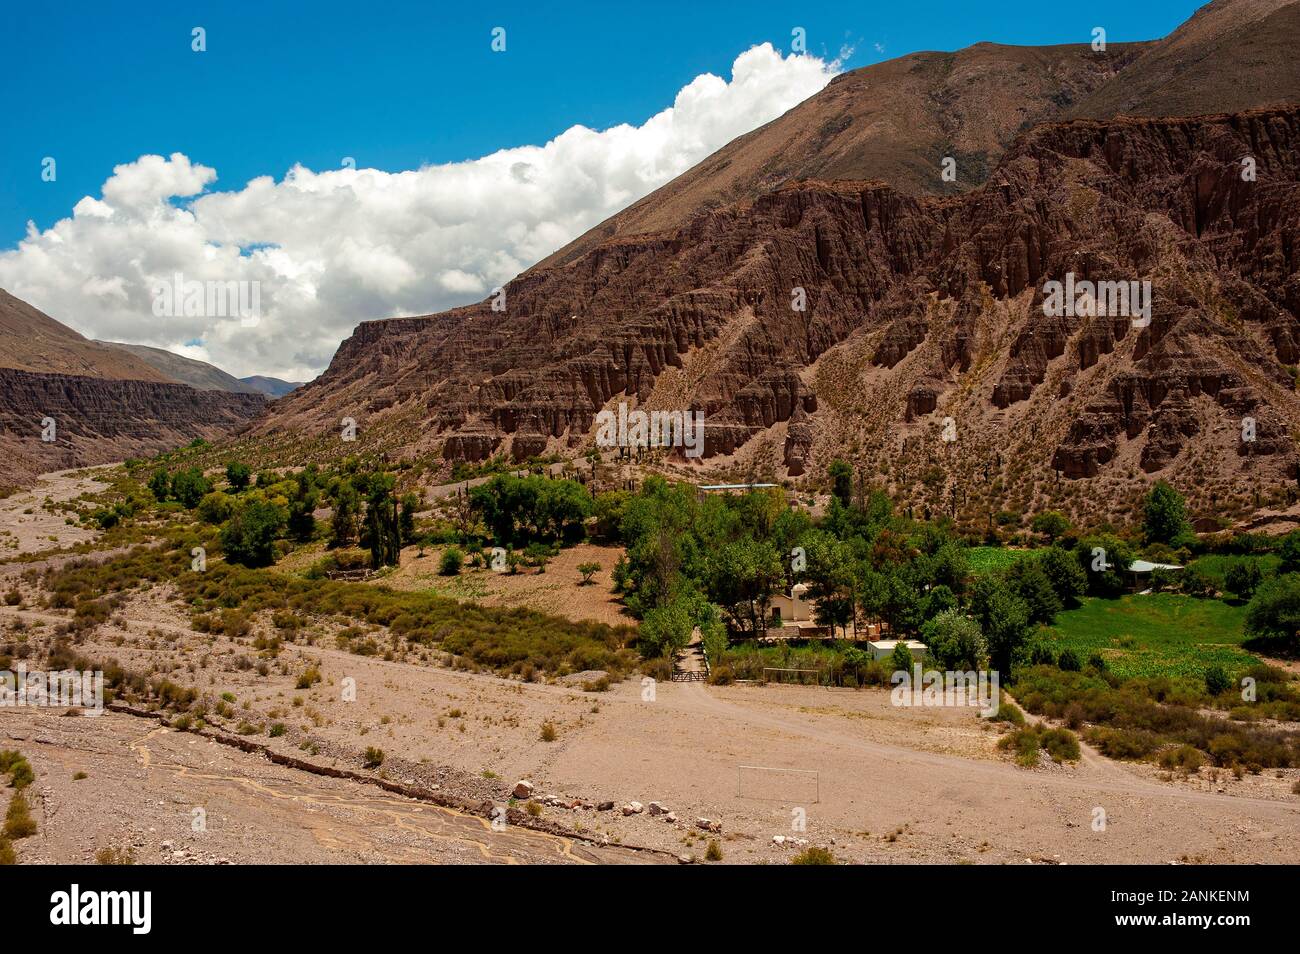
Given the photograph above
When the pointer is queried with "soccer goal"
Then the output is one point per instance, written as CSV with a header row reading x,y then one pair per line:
x,y
774,784
800,677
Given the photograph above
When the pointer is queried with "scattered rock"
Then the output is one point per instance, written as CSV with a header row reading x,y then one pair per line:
x,y
632,808
605,807
523,789
657,809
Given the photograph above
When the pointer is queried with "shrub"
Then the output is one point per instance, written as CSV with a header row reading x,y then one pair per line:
x,y
1217,680
373,758
1009,712
1194,582
1185,758
21,774
18,820
1060,744
1122,744
588,570
813,855
309,678
451,562
714,851
548,732
1069,661
114,856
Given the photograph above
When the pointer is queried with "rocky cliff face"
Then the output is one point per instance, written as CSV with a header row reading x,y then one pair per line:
x,y
847,318
98,420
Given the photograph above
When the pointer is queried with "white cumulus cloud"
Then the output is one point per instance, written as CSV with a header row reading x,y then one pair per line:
x,y
333,248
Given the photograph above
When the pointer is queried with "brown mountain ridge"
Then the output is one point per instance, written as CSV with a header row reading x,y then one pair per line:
x,y
920,309
106,402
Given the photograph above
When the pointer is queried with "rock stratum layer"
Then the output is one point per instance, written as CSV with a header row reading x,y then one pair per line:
x,y
99,420
919,310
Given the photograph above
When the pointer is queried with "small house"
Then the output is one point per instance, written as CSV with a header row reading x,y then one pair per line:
x,y
1139,573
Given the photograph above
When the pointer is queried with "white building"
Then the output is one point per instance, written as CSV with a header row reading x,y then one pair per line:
x,y
884,648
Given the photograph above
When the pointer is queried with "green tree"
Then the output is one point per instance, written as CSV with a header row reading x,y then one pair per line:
x,y
521,510
1288,550
1243,578
343,528
238,475
302,521
608,510
1068,579
660,525
665,630
901,658
743,575
249,536
160,485
189,486
406,521
831,578
1051,524
216,507
1164,516
1273,614
382,532
1003,619
1029,581
1105,561
955,641
588,570
841,475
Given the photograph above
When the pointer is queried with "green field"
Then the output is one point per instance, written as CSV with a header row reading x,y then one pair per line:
x,y
1163,634
993,559
1215,566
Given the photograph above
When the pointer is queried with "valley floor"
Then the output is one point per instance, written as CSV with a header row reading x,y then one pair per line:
x,y
870,781
876,783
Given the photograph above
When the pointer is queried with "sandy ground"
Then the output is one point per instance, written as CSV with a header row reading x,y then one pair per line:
x,y
871,781
167,797
27,527
557,591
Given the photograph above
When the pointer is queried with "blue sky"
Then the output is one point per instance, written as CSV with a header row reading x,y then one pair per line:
x,y
397,85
